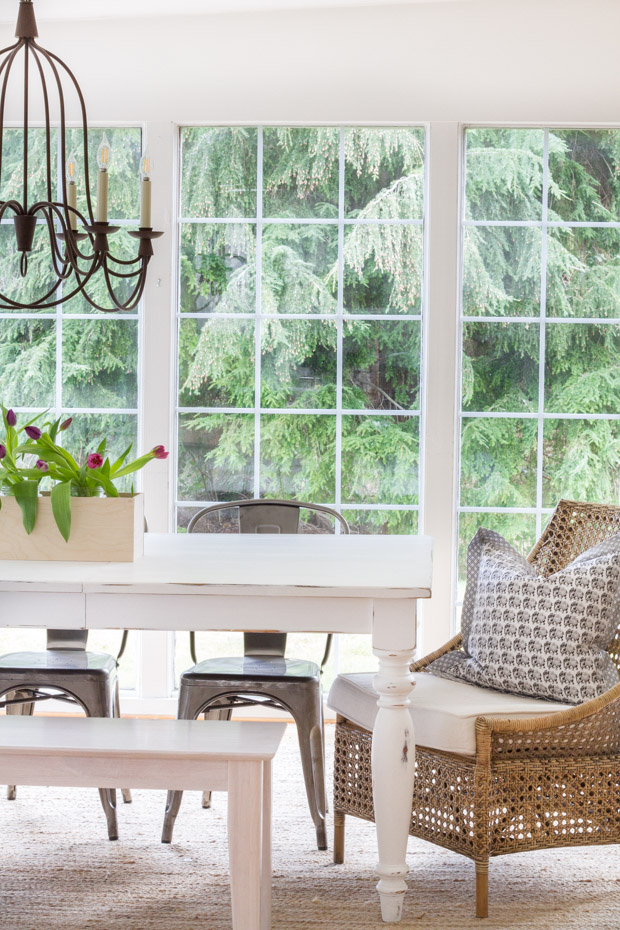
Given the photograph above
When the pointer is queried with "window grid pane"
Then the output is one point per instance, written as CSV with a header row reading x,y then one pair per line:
x,y
539,330
300,358
290,346
77,360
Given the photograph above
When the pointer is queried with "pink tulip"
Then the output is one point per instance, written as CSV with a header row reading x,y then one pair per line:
x,y
11,418
41,465
159,452
65,425
2,451
94,460
33,431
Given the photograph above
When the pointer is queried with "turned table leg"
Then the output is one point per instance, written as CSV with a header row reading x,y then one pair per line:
x,y
393,749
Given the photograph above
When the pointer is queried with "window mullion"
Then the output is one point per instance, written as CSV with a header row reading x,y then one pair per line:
x,y
442,366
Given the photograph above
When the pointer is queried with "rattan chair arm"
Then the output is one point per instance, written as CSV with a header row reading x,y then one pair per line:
x,y
591,728
455,643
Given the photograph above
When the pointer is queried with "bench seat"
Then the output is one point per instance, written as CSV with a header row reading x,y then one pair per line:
x,y
232,756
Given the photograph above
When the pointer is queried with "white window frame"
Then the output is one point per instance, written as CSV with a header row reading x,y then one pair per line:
x,y
541,512
440,422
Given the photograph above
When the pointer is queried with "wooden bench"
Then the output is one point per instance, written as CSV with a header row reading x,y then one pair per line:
x,y
164,754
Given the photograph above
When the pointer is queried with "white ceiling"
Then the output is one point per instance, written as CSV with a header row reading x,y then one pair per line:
x,y
100,9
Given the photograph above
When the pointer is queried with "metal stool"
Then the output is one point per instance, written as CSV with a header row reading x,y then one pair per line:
x,y
263,676
88,679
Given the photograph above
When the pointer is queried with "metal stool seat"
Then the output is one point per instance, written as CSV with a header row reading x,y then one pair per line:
x,y
65,671
62,662
259,668
262,676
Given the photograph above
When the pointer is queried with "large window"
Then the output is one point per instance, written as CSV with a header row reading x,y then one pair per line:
x,y
71,359
300,320
540,327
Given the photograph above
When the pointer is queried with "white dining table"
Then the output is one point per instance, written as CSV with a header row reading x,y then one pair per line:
x,y
303,583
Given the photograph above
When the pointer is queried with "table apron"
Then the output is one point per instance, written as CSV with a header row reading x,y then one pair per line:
x,y
211,612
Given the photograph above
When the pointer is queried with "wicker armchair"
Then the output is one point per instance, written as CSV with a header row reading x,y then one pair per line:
x,y
545,782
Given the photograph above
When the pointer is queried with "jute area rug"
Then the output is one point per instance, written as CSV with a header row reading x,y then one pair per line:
x,y
59,871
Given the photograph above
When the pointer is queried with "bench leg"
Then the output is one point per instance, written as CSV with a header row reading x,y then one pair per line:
x,y
249,835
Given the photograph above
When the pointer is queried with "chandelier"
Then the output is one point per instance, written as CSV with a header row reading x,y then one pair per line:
x,y
78,242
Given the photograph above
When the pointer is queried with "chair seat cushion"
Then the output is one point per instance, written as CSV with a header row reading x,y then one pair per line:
x,y
58,662
256,668
444,712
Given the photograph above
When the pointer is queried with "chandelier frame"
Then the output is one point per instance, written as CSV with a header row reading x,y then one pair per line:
x,y
76,256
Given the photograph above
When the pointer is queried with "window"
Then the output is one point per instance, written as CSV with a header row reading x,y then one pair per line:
x,y
300,320
540,327
72,359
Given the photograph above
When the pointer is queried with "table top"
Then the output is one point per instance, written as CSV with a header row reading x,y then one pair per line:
x,y
157,739
200,563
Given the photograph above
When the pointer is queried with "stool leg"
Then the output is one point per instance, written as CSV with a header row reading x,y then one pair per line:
x,y
306,710
97,699
117,713
25,710
190,705
223,714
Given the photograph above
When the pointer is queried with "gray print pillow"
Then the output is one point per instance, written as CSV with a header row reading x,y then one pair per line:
x,y
544,637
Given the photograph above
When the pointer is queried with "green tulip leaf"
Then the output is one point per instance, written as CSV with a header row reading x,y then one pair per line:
x,y
27,496
61,508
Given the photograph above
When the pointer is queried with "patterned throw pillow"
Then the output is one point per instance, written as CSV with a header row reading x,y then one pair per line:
x,y
526,634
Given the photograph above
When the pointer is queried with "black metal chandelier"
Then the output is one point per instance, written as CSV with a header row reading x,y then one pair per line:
x,y
78,243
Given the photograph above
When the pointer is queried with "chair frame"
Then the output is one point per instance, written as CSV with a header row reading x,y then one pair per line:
x,y
545,782
217,696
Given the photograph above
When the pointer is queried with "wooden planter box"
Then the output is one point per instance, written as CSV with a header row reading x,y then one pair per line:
x,y
103,529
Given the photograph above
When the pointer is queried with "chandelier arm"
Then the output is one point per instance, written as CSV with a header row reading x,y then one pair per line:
x,y
7,63
48,140
66,230
136,295
126,274
66,260
51,58
13,204
39,305
46,209
17,305
123,261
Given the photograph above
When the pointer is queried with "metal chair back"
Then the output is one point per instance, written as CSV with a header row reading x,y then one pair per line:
x,y
269,517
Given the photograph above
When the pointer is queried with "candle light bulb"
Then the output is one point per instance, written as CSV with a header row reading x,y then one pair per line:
x,y
71,169
146,167
103,154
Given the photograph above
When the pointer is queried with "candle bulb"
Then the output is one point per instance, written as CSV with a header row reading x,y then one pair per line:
x,y
103,161
146,167
71,175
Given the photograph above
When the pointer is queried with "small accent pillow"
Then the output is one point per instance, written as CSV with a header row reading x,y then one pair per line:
x,y
526,634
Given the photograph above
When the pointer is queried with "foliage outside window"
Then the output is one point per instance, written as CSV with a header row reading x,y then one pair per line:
x,y
301,258
71,359
541,327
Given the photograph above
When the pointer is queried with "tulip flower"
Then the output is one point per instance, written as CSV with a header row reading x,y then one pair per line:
x,y
94,460
41,465
32,431
2,451
159,452
65,425
11,418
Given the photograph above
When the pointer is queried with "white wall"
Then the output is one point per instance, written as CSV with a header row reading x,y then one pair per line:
x,y
523,60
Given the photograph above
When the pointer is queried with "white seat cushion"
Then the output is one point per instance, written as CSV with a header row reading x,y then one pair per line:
x,y
444,712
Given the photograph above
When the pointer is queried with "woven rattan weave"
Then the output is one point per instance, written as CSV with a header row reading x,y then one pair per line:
x,y
544,782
